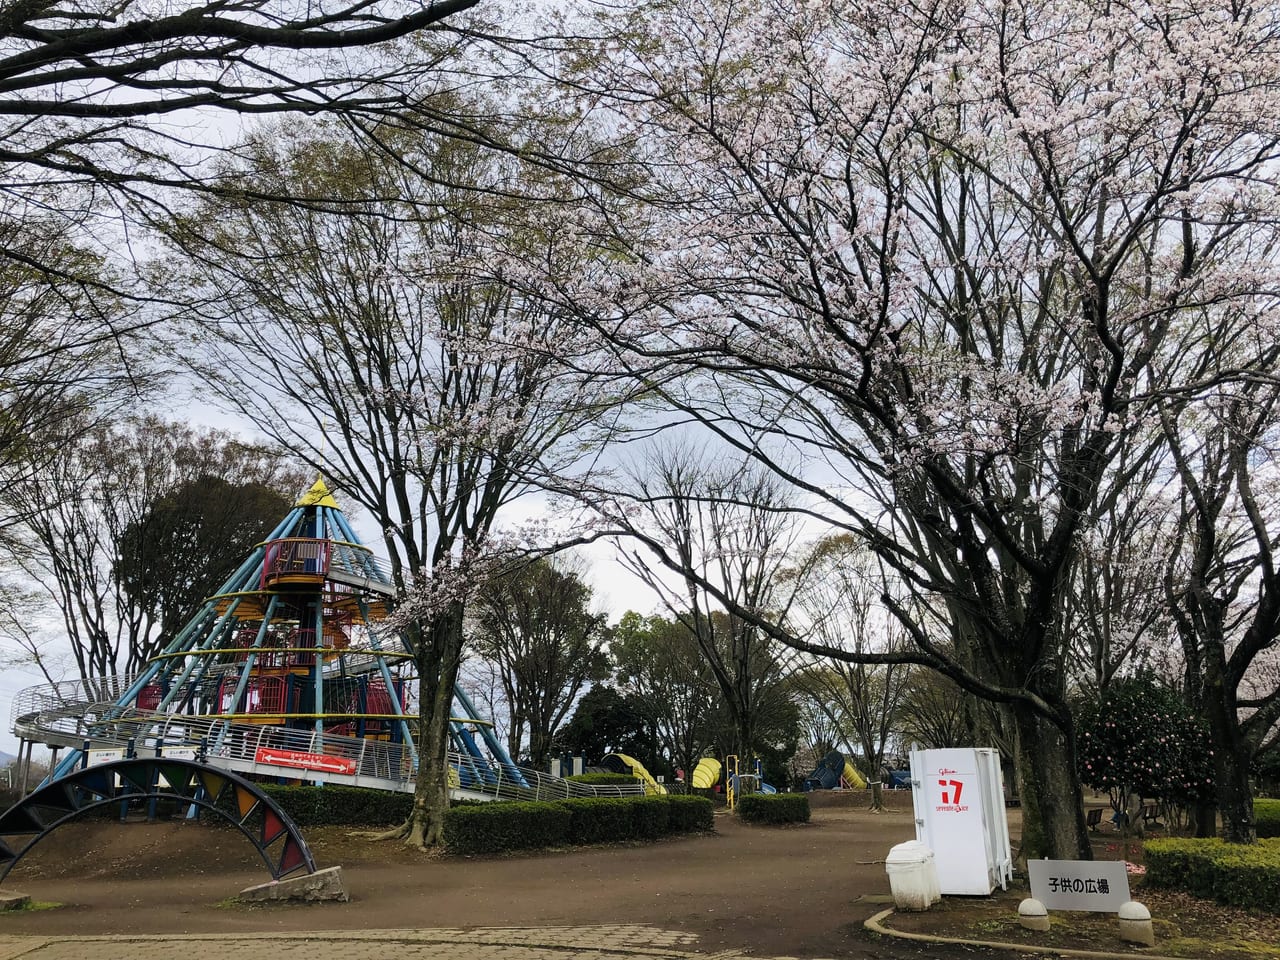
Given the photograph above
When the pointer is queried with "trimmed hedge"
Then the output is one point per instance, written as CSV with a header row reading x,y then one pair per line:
x,y
600,819
650,817
336,805
494,827
1232,874
605,779
1266,815
499,826
690,814
773,808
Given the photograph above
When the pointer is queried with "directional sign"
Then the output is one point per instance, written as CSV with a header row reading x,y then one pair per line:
x,y
306,761
96,757
1097,885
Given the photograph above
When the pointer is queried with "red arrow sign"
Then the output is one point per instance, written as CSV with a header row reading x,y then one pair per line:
x,y
307,761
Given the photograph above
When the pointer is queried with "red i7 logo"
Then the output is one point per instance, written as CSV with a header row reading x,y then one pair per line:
x,y
955,785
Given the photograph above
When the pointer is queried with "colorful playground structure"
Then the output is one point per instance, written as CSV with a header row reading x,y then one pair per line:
x,y
290,672
835,771
739,777
621,763
743,778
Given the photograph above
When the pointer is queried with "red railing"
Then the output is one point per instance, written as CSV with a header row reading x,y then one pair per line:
x,y
261,695
296,559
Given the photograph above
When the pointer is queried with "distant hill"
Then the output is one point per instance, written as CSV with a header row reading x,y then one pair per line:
x,y
6,758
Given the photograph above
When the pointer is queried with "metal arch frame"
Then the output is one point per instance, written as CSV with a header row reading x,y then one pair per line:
x,y
137,779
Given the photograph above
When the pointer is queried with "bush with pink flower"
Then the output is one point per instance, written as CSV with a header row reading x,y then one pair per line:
x,y
1141,739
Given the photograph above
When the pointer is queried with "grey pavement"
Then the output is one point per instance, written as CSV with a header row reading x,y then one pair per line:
x,y
606,942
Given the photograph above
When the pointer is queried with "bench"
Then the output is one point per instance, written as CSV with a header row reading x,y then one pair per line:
x,y
1151,817
1094,819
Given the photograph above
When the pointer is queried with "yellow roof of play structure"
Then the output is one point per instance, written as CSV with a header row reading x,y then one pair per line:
x,y
317,496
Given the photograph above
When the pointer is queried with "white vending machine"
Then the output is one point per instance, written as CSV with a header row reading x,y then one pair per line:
x,y
958,795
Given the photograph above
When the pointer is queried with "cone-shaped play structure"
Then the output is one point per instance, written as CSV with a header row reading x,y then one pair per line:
x,y
290,665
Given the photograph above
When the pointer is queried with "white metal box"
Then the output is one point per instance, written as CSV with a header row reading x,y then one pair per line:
x,y
958,795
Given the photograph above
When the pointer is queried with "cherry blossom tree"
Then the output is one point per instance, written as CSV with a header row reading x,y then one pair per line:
x,y
380,341
1221,580
932,266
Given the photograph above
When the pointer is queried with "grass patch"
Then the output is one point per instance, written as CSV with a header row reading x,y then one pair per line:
x,y
32,906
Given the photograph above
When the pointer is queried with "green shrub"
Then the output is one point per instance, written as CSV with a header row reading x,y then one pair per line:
x,y
605,779
773,808
1249,877
336,805
690,814
494,827
593,819
1266,814
1233,874
600,819
650,817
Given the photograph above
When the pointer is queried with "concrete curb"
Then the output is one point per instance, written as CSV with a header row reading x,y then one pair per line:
x,y
13,947
875,925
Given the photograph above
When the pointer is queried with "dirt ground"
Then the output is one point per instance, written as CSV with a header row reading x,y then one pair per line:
x,y
794,891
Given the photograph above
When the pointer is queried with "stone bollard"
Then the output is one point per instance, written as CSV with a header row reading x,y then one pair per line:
x,y
324,884
13,900
1033,916
1135,924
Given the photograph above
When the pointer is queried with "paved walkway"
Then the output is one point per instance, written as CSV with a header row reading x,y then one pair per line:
x,y
623,942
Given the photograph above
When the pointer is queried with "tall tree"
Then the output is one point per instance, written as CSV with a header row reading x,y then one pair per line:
x,y
659,663
606,721
106,106
188,540
134,65
537,627
725,531
933,712
91,539
929,266
67,359
386,346
1221,578
838,605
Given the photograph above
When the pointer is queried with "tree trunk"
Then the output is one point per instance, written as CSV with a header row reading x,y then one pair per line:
x,y
744,738
877,795
1053,823
1230,751
539,749
1205,817
438,662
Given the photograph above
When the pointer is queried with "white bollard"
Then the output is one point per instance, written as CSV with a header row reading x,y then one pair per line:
x,y
1032,915
1135,924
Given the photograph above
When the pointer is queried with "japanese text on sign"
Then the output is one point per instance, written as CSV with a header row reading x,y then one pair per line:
x,y
1079,885
1098,885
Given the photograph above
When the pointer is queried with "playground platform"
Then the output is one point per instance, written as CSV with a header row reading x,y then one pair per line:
x,y
69,716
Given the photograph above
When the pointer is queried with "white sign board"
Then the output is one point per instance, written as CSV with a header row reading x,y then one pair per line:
x,y
179,753
96,757
1097,885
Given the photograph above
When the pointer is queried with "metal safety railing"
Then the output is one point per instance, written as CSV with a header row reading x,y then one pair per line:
x,y
52,714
